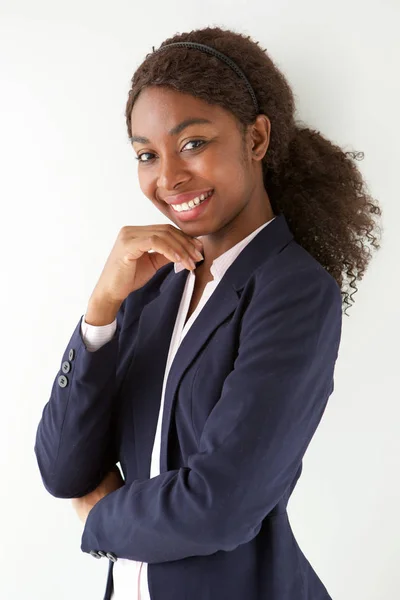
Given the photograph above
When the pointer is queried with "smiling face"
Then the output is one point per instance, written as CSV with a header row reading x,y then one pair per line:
x,y
208,155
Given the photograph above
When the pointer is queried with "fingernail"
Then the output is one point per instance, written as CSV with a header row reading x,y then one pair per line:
x,y
199,255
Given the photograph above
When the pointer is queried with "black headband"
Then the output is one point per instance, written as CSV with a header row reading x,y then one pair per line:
x,y
226,59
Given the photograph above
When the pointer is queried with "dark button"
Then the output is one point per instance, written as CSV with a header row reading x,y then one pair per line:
x,y
71,354
62,381
95,554
112,556
104,554
66,367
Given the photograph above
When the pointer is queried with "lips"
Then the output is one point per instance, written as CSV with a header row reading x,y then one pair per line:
x,y
195,212
186,197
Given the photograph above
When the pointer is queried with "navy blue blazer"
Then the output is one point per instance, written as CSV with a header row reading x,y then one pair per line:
x,y
245,394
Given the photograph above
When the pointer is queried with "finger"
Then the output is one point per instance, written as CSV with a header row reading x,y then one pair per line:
x,y
176,249
194,242
166,244
188,245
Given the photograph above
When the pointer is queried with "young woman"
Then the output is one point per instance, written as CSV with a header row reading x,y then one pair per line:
x,y
206,356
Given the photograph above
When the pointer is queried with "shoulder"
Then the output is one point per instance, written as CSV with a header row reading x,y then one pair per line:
x,y
292,267
293,281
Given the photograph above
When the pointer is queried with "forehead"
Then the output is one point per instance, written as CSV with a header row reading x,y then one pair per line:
x,y
158,109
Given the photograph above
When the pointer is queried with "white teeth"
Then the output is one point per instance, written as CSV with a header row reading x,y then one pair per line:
x,y
189,205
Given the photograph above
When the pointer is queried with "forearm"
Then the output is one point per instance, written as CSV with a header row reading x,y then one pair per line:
x,y
73,442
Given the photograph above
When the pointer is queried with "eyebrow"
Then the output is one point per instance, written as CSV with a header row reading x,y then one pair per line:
x,y
175,130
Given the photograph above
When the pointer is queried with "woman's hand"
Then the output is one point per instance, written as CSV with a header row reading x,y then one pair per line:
x,y
130,265
111,482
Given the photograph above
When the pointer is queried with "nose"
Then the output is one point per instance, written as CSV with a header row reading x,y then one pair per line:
x,y
170,173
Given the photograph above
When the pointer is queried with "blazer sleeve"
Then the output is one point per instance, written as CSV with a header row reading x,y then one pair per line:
x,y
74,445
253,441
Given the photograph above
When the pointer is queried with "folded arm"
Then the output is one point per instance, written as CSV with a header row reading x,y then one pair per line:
x,y
254,439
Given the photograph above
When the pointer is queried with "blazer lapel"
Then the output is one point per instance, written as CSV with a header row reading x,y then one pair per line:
x,y
157,322
217,309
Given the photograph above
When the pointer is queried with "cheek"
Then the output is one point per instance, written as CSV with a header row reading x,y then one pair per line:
x,y
231,178
147,183
222,167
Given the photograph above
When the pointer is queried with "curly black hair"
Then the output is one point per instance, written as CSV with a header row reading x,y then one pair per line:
x,y
313,182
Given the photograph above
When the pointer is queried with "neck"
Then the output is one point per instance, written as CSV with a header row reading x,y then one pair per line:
x,y
215,244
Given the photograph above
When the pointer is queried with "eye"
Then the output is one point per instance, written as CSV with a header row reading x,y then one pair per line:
x,y
139,157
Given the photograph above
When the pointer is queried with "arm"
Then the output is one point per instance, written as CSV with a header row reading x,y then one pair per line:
x,y
254,439
74,446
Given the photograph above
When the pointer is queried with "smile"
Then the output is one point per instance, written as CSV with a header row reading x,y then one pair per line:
x,y
186,206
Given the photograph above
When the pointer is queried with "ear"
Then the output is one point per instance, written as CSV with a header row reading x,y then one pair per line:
x,y
260,136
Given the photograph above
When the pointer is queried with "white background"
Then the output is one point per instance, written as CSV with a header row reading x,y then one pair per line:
x,y
69,183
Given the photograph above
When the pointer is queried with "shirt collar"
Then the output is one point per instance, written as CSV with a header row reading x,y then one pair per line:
x,y
224,261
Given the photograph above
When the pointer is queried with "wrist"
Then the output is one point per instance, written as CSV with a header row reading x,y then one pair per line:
x,y
101,311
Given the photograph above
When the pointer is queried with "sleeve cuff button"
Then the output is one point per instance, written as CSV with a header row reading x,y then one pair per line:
x,y
112,556
62,381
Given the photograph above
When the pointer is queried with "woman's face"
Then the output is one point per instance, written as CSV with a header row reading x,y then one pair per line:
x,y
196,158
